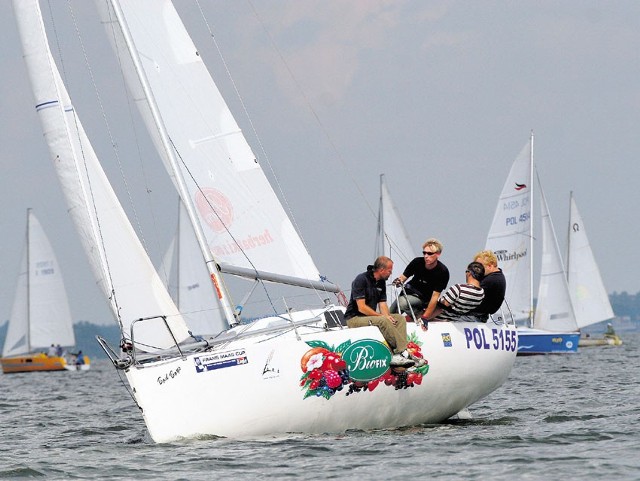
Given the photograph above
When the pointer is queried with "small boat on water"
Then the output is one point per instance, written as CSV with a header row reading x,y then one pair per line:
x,y
40,321
588,294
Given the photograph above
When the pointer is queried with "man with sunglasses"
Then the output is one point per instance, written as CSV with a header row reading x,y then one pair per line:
x,y
427,276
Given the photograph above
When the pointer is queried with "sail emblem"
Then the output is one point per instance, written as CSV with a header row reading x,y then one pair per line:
x,y
520,186
221,217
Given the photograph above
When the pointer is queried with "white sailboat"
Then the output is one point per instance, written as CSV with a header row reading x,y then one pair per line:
x,y
301,371
392,239
552,328
185,274
40,317
588,294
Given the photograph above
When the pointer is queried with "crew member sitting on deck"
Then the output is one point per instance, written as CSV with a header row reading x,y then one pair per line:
x,y
368,294
494,285
460,298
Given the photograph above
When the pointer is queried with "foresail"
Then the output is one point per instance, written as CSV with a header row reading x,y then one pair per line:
x,y
553,309
121,266
240,214
588,294
510,234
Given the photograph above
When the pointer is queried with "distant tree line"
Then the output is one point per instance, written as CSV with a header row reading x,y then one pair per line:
x,y
626,305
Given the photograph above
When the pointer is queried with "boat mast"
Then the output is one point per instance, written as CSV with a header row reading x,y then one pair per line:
x,y
28,281
223,298
569,227
379,250
531,232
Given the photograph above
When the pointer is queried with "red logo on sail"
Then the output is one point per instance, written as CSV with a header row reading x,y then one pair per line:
x,y
520,186
215,208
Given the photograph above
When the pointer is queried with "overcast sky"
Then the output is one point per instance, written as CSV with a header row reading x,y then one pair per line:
x,y
438,95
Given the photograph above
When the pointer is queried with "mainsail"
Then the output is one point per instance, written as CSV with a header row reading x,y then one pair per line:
x,y
588,294
119,261
554,311
510,235
246,229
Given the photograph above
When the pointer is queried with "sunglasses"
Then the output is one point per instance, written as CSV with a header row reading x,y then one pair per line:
x,y
427,253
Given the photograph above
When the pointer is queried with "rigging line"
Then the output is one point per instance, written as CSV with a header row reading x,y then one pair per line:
x,y
313,112
253,129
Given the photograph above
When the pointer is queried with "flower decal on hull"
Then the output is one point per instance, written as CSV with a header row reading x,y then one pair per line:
x,y
354,367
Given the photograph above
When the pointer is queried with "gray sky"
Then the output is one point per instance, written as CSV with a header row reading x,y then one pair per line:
x,y
440,96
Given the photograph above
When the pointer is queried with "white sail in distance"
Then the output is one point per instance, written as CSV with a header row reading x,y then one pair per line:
x,y
40,315
554,311
588,294
510,234
391,238
186,276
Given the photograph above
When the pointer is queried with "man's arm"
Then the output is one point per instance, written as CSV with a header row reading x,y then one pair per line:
x,y
430,311
365,310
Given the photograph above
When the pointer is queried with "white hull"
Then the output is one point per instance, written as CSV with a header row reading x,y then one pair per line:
x,y
263,396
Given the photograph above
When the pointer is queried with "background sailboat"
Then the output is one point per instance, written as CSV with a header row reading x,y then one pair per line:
x,y
185,274
511,239
554,328
588,294
40,316
392,239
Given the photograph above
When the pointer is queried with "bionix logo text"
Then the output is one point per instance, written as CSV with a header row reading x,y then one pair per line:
x,y
367,359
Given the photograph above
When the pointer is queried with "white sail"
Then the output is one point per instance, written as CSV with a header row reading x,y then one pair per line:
x,y
40,315
588,294
115,253
391,238
510,236
554,311
246,227
189,281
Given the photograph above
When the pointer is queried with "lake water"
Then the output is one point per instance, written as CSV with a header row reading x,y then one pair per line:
x,y
557,417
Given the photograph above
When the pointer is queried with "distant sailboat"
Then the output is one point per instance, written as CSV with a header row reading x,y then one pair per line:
x,y
511,239
184,272
392,239
40,317
588,294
